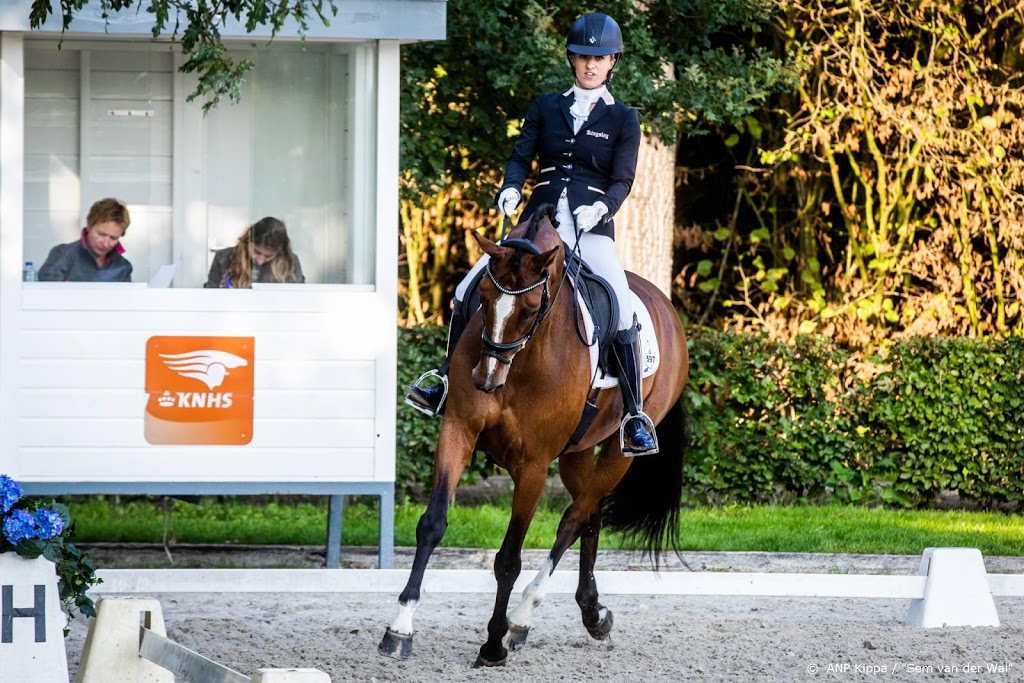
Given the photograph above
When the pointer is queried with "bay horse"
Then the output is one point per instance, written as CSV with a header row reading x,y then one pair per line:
x,y
518,381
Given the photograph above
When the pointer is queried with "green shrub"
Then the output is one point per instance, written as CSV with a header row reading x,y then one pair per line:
x,y
948,414
813,422
764,419
774,422
421,349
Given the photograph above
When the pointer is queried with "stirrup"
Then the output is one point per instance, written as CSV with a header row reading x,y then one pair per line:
x,y
416,385
652,432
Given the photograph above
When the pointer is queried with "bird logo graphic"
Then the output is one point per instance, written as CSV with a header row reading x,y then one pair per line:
x,y
209,366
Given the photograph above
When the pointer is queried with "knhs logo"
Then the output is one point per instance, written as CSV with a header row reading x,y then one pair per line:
x,y
199,390
192,399
208,366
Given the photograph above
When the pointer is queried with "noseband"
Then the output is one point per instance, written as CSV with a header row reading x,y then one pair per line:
x,y
497,350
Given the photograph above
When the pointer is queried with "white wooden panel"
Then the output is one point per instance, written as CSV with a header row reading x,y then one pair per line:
x,y
131,403
130,169
116,433
51,184
131,374
49,57
145,58
42,167
130,135
62,403
170,322
51,127
295,403
282,433
311,374
106,345
75,375
51,84
129,85
343,305
196,463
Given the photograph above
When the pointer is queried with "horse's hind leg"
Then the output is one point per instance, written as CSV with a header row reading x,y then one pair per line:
x,y
575,470
596,617
529,487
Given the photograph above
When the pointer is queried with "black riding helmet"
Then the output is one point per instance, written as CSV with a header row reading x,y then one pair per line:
x,y
594,34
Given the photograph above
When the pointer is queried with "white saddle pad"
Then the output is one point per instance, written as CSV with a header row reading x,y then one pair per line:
x,y
650,355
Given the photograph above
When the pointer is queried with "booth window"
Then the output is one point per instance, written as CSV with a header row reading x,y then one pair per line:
x,y
111,119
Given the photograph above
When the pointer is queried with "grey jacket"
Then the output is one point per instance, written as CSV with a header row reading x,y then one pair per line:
x,y
72,262
222,261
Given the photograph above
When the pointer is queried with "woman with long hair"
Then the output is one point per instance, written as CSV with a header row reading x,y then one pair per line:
x,y
263,254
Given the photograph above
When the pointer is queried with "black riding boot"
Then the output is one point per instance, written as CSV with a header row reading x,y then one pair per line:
x,y
636,433
430,400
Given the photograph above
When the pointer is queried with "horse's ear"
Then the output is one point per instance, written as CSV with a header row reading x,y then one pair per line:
x,y
548,257
488,246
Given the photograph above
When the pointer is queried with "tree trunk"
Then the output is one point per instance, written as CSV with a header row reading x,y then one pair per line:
x,y
645,224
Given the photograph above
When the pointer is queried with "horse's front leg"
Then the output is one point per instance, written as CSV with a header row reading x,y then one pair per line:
x,y
529,488
454,450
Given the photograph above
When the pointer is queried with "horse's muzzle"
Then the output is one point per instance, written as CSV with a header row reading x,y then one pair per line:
x,y
489,389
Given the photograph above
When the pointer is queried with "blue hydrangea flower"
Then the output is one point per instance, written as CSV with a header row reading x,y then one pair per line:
x,y
19,526
10,492
48,524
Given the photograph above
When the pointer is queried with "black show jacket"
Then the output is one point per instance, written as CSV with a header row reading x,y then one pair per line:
x,y
596,164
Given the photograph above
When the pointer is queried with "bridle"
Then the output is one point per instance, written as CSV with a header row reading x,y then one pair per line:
x,y
498,350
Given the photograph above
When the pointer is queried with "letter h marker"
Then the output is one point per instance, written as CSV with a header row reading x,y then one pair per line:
x,y
8,612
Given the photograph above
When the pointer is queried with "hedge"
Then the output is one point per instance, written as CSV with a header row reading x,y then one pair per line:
x,y
810,421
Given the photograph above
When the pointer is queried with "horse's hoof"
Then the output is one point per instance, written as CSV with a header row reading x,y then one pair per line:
x,y
517,636
482,661
395,645
601,629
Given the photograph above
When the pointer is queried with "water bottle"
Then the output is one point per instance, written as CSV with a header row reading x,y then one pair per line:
x,y
28,273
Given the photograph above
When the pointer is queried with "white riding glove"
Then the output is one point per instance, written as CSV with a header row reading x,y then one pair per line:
x,y
508,200
588,217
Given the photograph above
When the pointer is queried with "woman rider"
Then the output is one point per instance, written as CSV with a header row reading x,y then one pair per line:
x,y
587,143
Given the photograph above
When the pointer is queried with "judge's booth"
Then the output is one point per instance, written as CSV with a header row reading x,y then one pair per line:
x,y
162,386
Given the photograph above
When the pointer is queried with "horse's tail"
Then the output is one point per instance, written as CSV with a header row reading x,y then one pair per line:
x,y
644,507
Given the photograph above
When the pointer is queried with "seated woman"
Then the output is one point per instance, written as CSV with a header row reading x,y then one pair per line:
x,y
96,255
263,254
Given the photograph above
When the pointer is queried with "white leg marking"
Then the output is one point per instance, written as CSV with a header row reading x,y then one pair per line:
x,y
403,622
534,594
503,308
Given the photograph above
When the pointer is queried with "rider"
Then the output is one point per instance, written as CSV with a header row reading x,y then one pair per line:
x,y
587,143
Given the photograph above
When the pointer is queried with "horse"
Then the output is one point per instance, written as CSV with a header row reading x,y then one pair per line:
x,y
517,390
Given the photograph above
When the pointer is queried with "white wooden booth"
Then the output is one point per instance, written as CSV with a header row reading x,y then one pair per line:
x,y
314,142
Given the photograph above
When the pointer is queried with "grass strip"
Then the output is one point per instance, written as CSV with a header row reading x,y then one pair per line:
x,y
809,529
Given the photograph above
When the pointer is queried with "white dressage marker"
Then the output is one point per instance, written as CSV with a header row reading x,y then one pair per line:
x,y
957,591
31,627
127,643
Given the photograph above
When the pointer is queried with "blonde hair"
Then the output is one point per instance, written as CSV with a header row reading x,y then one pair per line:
x,y
267,232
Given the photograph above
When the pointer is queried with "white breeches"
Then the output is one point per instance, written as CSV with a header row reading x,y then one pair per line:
x,y
597,250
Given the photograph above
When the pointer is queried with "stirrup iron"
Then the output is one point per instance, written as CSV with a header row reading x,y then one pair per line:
x,y
646,419
416,385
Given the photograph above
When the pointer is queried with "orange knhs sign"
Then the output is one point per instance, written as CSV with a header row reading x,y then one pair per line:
x,y
200,390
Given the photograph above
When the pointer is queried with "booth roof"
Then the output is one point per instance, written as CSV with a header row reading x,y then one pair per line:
x,y
356,20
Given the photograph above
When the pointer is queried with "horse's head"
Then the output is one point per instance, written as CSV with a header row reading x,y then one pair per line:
x,y
515,294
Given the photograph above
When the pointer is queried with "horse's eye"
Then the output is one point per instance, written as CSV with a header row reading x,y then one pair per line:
x,y
528,312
